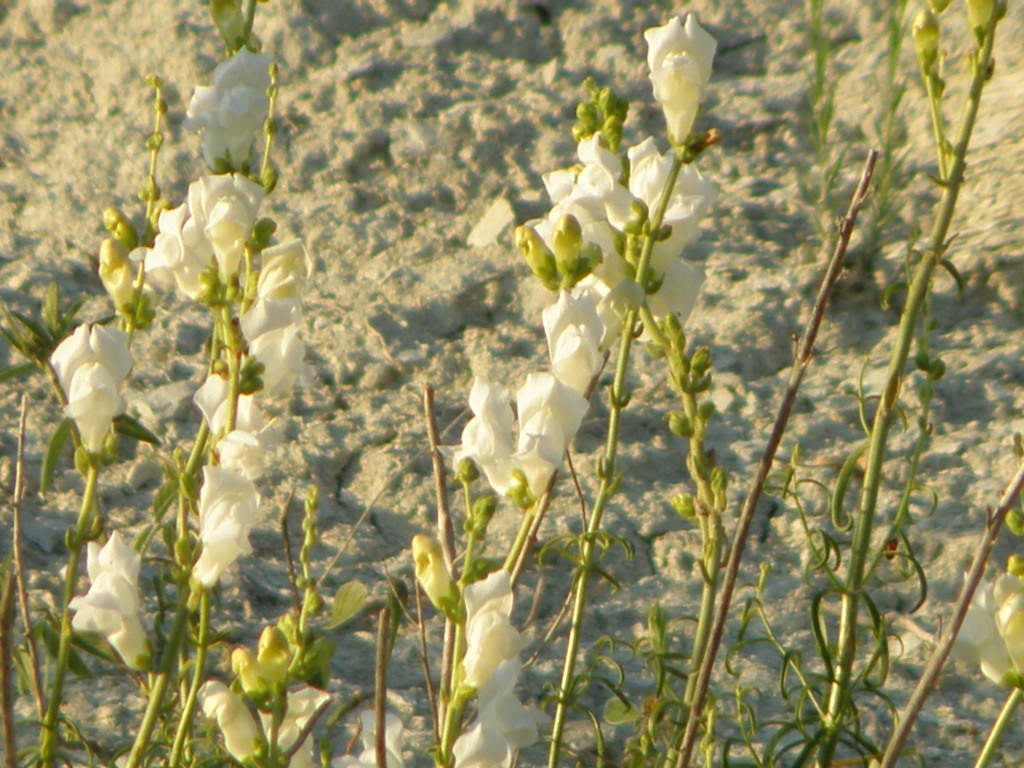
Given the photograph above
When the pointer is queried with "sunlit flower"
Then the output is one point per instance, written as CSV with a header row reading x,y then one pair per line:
x,y
487,438
272,328
242,736
501,709
228,508
224,208
111,606
490,636
431,571
244,449
992,634
482,746
679,57
574,331
284,270
91,366
179,254
303,703
230,113
550,412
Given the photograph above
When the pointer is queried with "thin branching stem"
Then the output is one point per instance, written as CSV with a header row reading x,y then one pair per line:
x,y
846,649
683,749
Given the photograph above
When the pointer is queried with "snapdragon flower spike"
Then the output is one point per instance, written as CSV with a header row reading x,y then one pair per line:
x,y
679,57
230,113
92,365
112,604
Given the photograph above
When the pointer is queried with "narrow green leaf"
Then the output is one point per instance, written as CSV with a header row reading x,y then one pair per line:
x,y
53,450
51,315
16,371
130,427
41,338
348,601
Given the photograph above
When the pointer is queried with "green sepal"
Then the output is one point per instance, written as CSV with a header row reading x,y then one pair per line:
x,y
130,427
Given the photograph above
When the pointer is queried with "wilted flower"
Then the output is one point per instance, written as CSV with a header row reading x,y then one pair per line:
x,y
574,331
224,209
679,57
431,571
91,366
487,438
992,634
242,737
228,508
230,113
284,270
393,739
490,636
111,606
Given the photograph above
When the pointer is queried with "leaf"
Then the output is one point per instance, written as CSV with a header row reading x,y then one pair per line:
x,y
41,339
130,427
618,712
51,313
348,601
60,436
16,371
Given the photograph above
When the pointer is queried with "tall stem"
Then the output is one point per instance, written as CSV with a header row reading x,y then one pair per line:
x,y
995,738
48,748
839,694
609,478
189,708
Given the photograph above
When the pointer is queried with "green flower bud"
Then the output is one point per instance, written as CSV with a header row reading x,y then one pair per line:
x,y
121,227
938,6
926,39
568,241
540,260
680,425
683,504
979,12
274,655
227,15
1015,565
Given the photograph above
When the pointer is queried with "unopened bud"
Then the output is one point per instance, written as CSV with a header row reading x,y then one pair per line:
x,y
227,15
1015,565
121,227
938,6
568,241
979,12
116,271
540,260
926,39
274,655
249,672
431,571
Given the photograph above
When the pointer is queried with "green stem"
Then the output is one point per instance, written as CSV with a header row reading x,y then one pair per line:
x,y
995,738
609,479
154,707
189,707
76,540
840,693
250,17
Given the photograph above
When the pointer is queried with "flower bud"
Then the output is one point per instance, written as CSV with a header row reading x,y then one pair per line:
x,y
567,239
274,655
121,227
227,15
431,571
540,260
938,6
116,272
979,12
249,672
926,39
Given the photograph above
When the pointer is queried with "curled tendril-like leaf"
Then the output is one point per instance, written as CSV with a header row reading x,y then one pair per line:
x,y
841,521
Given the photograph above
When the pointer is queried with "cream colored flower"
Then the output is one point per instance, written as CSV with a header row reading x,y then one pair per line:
x,y
431,571
224,209
574,331
228,508
490,636
242,736
679,57
487,438
393,740
284,271
111,606
992,634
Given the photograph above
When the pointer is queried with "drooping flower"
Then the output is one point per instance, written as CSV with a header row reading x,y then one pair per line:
x,y
992,634
111,606
679,57
230,113
228,508
91,366
393,739
490,636
242,736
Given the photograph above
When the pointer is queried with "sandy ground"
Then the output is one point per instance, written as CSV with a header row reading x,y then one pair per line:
x,y
413,135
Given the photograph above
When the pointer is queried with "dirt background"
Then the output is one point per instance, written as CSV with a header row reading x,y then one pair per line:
x,y
413,137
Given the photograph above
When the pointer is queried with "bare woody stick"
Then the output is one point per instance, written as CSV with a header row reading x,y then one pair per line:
x,y
804,355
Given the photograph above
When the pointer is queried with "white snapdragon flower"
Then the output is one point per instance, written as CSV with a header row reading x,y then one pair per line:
x,y
482,746
501,709
272,328
224,208
487,438
111,606
431,570
92,365
679,57
180,253
574,332
284,271
393,739
244,449
992,634
230,113
490,636
550,412
242,736
302,704
228,508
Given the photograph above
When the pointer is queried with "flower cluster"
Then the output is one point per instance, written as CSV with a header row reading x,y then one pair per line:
x,y
992,634
111,606
92,365
491,666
